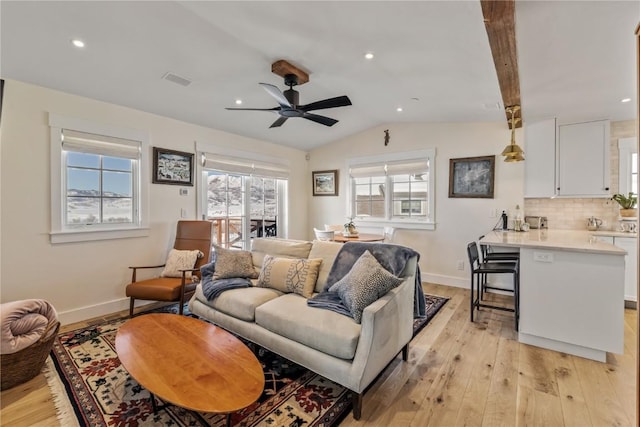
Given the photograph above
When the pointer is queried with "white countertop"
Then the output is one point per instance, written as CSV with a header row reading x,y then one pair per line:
x,y
565,240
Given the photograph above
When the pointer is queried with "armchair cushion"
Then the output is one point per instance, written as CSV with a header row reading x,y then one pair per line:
x,y
297,275
365,283
178,260
231,263
159,289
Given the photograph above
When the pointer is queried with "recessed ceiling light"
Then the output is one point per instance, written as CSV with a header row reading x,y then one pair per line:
x,y
399,109
238,101
625,100
368,55
77,43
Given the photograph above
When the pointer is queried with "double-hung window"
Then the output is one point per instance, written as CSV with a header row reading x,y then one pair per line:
x,y
394,190
96,182
243,197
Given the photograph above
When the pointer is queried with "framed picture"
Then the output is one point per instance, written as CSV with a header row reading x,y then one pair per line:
x,y
472,177
325,183
172,167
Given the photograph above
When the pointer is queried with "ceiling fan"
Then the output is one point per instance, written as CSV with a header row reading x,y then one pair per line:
x,y
289,104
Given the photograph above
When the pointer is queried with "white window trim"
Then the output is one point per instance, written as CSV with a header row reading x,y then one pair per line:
x,y
409,223
626,147
59,233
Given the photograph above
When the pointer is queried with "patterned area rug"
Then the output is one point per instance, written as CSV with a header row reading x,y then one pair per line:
x,y
91,388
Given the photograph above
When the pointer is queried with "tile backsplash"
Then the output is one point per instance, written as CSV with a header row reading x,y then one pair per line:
x,y
572,214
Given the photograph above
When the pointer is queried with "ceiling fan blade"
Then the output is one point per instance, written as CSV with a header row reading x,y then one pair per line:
x,y
327,121
278,122
338,101
254,109
277,94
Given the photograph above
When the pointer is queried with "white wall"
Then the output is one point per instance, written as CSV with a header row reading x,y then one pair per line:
x,y
458,221
84,280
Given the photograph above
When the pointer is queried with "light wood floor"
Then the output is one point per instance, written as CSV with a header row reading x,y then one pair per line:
x,y
458,374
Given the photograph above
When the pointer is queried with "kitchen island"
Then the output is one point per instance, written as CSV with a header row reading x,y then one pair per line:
x,y
571,290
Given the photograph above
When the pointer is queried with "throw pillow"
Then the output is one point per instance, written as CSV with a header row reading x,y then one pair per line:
x,y
231,263
363,284
297,275
180,260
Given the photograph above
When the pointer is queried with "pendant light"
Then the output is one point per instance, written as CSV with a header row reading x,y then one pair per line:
x,y
513,152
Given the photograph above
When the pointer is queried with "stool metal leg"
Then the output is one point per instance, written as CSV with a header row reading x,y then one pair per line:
x,y
471,306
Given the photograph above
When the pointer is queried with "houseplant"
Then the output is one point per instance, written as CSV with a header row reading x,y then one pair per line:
x,y
627,204
350,228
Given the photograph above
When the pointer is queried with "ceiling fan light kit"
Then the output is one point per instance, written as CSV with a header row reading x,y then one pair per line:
x,y
512,151
289,100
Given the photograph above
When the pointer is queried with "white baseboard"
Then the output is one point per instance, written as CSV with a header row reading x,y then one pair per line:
x,y
97,310
441,279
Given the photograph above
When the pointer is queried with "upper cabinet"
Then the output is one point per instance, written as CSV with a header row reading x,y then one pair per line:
x,y
540,155
568,160
583,159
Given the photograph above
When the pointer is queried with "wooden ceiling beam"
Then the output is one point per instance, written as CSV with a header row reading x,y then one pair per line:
x,y
282,68
499,20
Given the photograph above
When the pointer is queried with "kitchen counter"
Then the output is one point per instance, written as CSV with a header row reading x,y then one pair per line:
x,y
563,240
571,290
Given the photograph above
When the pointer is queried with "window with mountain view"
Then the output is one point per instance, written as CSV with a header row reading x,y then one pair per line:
x,y
99,189
242,200
96,187
100,179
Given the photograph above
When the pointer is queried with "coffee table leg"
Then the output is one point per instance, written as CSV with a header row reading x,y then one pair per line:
x,y
228,420
153,403
198,417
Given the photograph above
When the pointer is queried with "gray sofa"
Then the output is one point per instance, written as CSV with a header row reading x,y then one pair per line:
x,y
328,343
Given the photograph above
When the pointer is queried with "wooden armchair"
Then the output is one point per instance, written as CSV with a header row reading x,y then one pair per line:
x,y
190,235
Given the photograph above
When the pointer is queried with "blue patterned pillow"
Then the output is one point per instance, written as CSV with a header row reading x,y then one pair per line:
x,y
363,284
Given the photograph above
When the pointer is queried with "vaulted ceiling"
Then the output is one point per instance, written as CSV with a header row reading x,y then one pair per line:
x,y
576,59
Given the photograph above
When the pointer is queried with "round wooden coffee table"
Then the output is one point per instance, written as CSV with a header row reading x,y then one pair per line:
x,y
190,363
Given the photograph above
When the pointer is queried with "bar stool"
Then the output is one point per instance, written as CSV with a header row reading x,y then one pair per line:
x,y
479,270
489,256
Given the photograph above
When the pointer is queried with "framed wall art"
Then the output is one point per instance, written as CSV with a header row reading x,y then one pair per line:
x,y
472,177
325,183
172,167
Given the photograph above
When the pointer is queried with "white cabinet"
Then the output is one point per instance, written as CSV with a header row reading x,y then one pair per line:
x,y
540,154
631,266
568,160
582,159
631,263
571,301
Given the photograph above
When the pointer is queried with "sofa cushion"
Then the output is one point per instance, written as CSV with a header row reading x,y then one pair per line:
x,y
239,303
233,263
323,330
282,248
364,283
297,275
328,252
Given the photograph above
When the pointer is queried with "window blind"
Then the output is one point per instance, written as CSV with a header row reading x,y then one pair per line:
x,y
241,166
412,166
100,144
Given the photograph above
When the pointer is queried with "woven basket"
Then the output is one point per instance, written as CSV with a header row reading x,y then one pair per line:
x,y
25,364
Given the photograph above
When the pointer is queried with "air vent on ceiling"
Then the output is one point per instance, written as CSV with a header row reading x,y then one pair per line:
x,y
177,79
